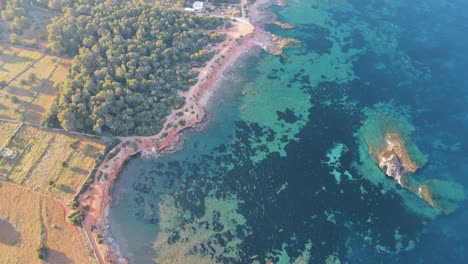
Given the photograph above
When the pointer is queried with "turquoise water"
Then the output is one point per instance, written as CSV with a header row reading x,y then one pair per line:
x,y
279,171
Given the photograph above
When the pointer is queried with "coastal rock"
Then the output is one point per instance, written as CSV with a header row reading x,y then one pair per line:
x,y
283,25
281,3
274,44
394,168
395,159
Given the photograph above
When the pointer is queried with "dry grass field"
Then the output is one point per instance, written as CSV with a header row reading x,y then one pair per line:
x,y
50,166
7,129
30,76
26,219
14,60
50,162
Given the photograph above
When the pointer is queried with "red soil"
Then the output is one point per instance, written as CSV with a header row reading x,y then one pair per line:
x,y
98,196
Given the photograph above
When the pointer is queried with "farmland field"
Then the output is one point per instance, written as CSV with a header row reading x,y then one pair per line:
x,y
14,60
51,162
7,130
27,217
29,78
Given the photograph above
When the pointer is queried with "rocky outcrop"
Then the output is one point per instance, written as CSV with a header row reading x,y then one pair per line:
x,y
395,160
393,167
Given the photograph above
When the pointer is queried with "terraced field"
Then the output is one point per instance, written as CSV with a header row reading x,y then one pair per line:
x,y
7,129
51,162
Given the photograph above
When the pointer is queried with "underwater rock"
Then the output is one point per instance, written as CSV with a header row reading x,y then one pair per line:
x,y
332,260
442,195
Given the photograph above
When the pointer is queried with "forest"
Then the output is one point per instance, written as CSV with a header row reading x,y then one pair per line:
x,y
130,60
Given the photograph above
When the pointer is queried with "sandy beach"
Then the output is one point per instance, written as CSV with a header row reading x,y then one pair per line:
x,y
243,37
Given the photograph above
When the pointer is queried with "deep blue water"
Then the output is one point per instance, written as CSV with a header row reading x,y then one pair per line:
x,y
254,184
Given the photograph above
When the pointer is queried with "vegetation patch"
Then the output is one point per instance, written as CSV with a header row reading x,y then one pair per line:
x,y
42,251
75,217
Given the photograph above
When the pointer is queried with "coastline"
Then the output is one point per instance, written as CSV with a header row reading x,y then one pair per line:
x,y
246,35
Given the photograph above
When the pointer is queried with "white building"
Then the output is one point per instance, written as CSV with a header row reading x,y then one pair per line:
x,y
198,6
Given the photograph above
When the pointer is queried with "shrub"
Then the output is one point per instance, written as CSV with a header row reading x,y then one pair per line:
x,y
113,153
112,144
75,217
74,145
41,251
99,239
14,38
32,78
73,204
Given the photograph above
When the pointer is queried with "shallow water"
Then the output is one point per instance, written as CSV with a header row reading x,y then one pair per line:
x,y
275,174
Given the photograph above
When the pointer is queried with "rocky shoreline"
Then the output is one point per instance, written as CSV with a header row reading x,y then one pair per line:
x,y
247,35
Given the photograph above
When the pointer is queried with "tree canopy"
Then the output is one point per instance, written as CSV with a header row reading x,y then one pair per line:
x,y
130,61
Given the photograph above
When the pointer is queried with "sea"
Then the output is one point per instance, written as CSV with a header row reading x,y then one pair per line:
x,y
277,172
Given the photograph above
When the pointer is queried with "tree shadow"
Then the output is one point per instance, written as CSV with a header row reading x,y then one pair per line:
x,y
65,189
90,151
34,107
8,234
15,58
3,69
79,170
54,256
46,87
19,91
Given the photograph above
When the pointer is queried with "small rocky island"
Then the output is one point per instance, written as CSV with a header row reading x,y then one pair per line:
x,y
385,141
